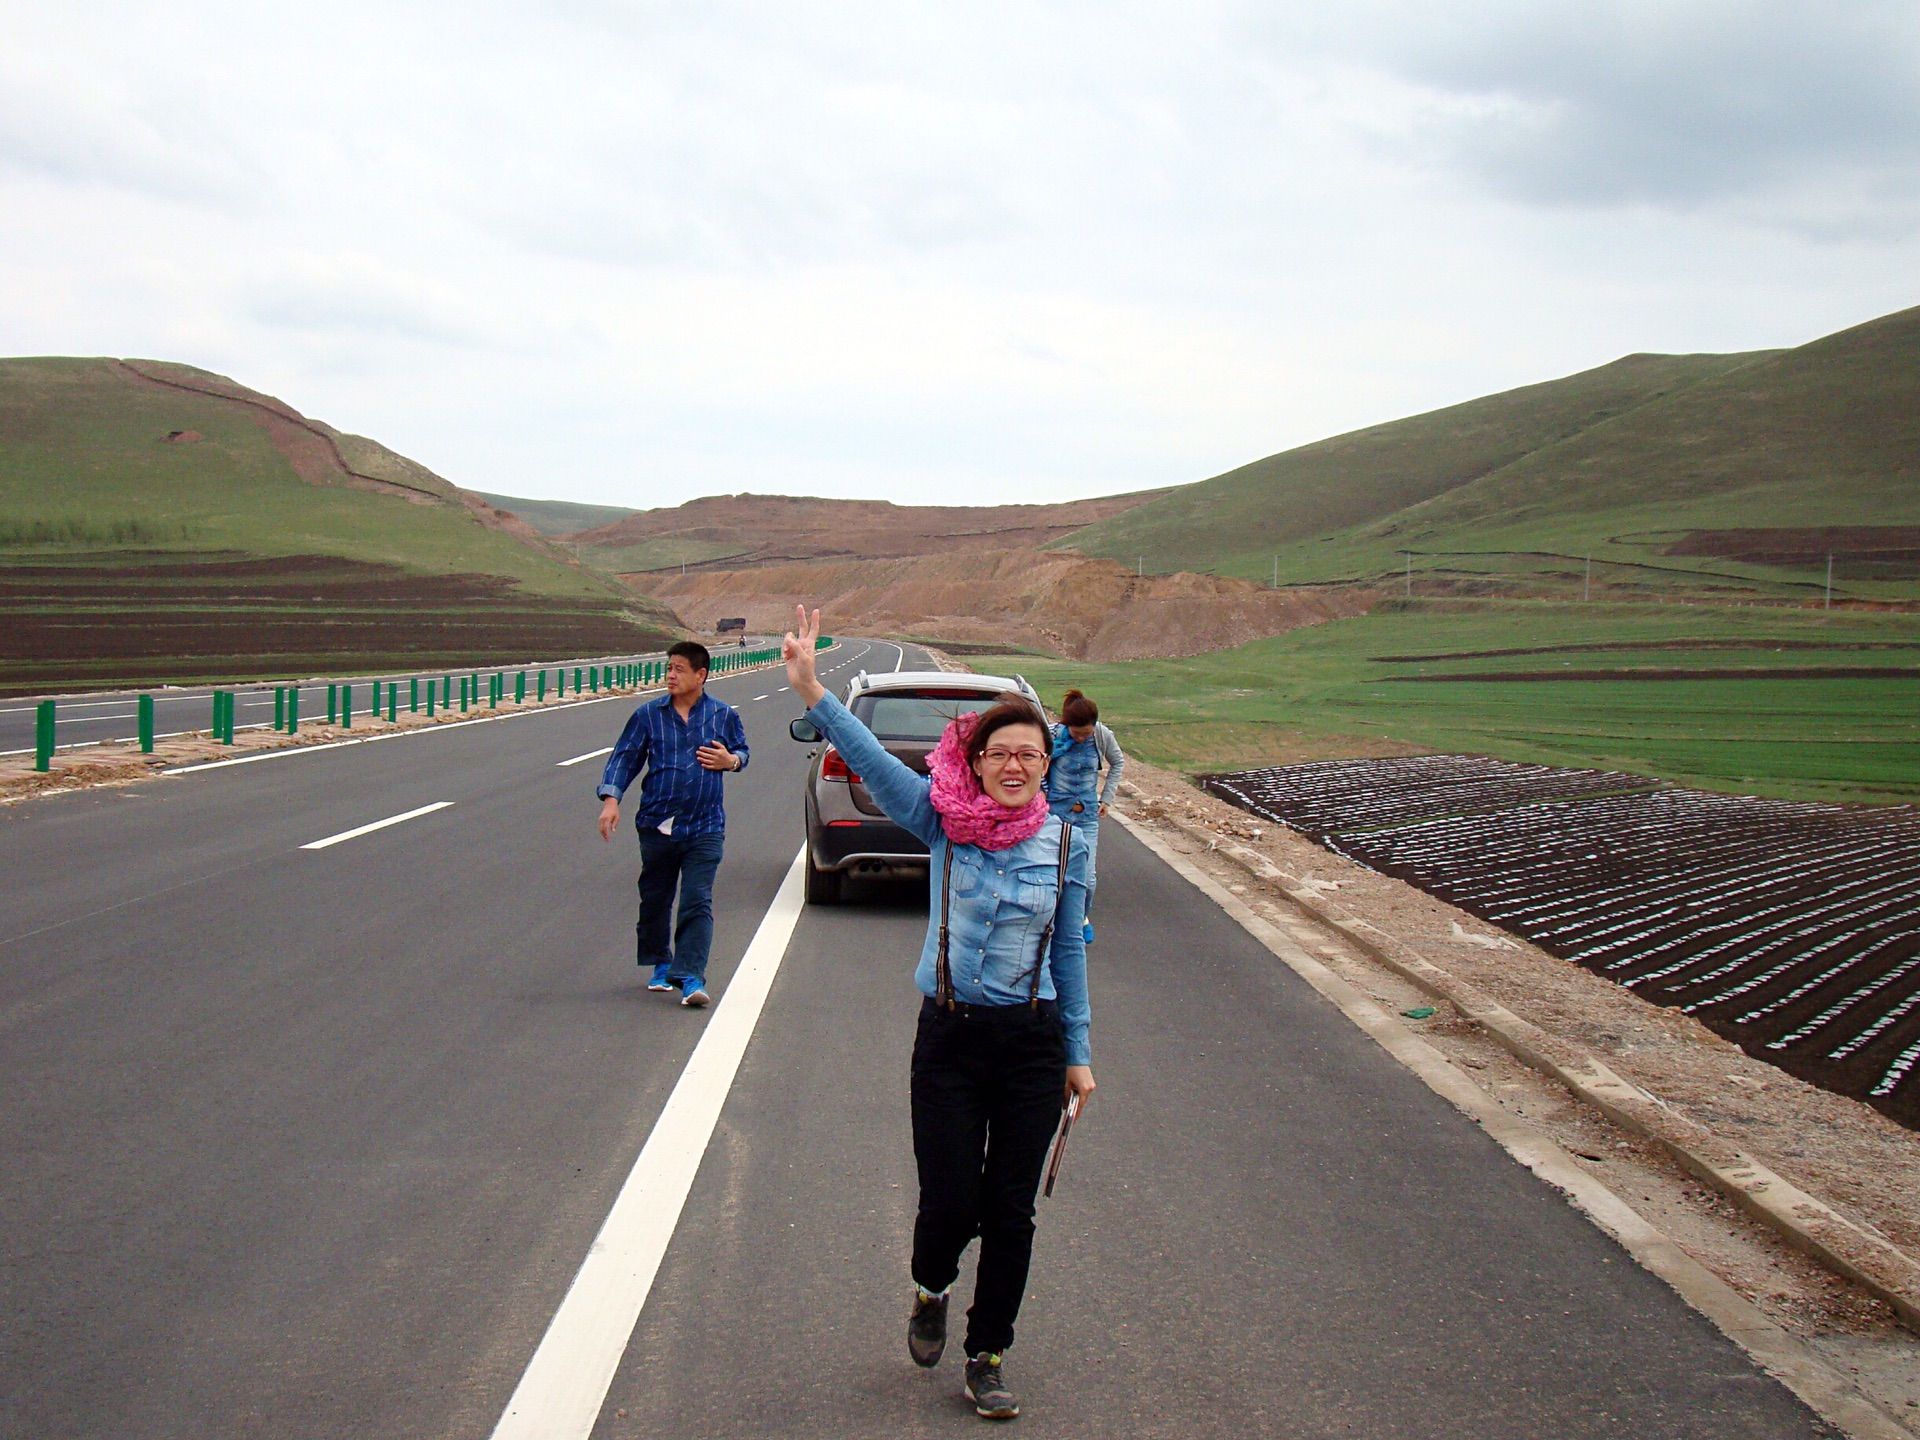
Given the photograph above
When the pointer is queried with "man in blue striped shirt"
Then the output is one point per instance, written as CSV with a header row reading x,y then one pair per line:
x,y
686,740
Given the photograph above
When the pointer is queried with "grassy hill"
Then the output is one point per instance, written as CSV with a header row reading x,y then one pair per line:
x,y
557,517
1730,475
159,522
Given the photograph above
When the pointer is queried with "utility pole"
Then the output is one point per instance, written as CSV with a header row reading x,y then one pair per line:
x,y
1276,574
1586,591
1409,555
1139,564
1829,604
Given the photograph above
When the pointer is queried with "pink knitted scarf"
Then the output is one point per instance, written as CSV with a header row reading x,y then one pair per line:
x,y
968,814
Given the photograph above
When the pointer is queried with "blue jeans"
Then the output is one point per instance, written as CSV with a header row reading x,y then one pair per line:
x,y
1088,824
669,863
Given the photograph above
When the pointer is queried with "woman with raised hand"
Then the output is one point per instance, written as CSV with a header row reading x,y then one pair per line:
x,y
1002,1041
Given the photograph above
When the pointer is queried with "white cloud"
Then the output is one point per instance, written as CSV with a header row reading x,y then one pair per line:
x,y
637,254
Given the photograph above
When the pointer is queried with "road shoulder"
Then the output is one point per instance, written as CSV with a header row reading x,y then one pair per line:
x,y
1838,1345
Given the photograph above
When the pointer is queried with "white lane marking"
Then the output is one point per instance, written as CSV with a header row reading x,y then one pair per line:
x,y
565,1384
590,755
757,697
360,830
783,690
437,729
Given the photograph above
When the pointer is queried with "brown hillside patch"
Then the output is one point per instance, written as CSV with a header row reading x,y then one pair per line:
x,y
1782,672
230,616
1858,549
769,529
1024,599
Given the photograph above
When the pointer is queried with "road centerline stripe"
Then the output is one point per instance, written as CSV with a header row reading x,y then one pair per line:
x,y
590,755
565,1384
360,830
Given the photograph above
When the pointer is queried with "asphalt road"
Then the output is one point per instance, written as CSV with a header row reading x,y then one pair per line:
x,y
313,1143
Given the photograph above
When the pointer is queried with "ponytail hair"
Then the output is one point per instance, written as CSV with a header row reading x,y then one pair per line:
x,y
1077,710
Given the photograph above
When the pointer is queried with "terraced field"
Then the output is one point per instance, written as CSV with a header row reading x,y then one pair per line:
x,y
1791,929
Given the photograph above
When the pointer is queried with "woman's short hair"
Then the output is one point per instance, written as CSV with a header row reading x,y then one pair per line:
x,y
1010,708
1077,710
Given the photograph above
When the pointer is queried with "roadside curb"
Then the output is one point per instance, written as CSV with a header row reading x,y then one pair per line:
x,y
1805,1222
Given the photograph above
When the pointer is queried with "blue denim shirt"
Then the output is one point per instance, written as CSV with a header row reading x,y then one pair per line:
x,y
1001,900
1073,777
675,784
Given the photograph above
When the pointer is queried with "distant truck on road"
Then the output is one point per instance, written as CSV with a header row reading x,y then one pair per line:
x,y
735,624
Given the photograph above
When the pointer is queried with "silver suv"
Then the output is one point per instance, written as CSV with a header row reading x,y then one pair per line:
x,y
847,832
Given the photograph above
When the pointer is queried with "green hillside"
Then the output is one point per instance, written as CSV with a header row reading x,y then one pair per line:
x,y
1728,475
558,517
161,522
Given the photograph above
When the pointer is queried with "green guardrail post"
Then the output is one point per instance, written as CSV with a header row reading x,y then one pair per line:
x,y
43,735
463,694
393,702
293,709
578,679
279,707
413,699
540,687
346,707
374,708
446,692
432,690
146,724
223,716
333,704
593,678
520,688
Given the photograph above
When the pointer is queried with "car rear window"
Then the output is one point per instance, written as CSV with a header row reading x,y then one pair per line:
x,y
906,715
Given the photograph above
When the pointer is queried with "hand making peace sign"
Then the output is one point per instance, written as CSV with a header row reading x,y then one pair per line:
x,y
796,648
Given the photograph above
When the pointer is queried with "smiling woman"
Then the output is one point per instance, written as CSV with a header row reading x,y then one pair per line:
x,y
1002,1044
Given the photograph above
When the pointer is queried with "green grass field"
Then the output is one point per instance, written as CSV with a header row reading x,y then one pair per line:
x,y
1345,688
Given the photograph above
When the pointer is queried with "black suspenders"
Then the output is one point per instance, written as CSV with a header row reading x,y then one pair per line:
x,y
943,973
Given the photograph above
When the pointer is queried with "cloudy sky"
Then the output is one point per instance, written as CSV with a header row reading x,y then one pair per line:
x,y
632,254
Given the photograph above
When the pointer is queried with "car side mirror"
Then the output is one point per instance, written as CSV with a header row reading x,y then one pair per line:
x,y
805,731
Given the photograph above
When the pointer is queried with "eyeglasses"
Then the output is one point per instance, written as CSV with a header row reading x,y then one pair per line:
x,y
994,755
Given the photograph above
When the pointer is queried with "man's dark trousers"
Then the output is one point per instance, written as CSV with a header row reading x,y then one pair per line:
x,y
667,863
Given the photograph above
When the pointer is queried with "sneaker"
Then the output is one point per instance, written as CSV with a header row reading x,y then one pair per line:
x,y
927,1328
659,981
992,1400
694,995
1086,932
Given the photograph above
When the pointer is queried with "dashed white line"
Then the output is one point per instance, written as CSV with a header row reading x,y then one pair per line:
x,y
401,734
360,830
590,755
757,697
565,1384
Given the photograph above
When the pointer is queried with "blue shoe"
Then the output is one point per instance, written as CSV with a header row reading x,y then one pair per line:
x,y
694,995
1086,932
659,981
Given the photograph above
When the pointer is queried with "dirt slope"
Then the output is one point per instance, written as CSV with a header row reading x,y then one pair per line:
x,y
1045,601
768,528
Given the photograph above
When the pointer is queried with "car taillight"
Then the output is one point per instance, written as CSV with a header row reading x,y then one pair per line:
x,y
832,767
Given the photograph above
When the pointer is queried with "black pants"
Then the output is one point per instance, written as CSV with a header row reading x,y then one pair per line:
x,y
987,1088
